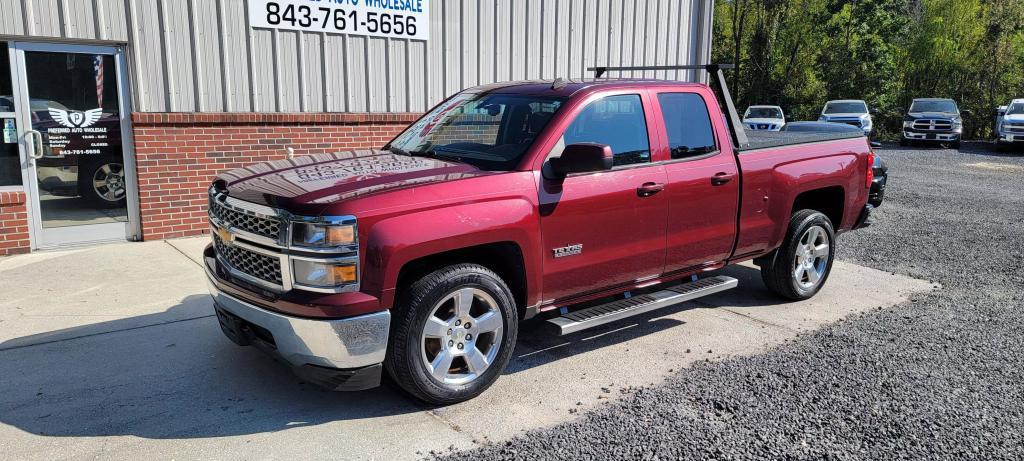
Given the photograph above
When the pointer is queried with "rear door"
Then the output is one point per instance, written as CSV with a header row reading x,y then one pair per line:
x,y
598,229
703,181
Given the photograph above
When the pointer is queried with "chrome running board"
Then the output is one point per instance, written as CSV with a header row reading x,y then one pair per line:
x,y
617,310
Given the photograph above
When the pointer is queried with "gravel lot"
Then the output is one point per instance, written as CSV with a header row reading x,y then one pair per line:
x,y
941,377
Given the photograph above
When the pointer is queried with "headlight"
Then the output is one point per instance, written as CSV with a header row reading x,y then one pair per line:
x,y
319,235
323,274
958,125
908,124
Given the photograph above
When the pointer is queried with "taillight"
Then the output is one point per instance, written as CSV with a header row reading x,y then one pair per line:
x,y
871,168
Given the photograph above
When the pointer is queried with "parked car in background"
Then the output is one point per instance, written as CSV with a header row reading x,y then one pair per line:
x,y
1010,126
764,118
881,176
509,201
820,127
853,112
933,120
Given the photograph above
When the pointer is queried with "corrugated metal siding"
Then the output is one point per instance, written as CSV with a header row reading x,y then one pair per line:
x,y
201,55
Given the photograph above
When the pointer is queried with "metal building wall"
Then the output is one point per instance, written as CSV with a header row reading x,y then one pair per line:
x,y
201,55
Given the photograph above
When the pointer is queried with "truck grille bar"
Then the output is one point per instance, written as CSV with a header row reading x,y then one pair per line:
x,y
933,125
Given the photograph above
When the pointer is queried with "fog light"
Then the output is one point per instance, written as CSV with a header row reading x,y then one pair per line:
x,y
323,274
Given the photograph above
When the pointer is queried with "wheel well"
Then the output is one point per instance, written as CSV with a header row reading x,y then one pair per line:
x,y
828,200
504,258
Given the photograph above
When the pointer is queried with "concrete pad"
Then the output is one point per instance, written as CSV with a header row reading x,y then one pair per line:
x,y
191,247
143,380
55,295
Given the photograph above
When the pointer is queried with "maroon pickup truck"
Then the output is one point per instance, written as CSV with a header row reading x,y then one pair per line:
x,y
582,202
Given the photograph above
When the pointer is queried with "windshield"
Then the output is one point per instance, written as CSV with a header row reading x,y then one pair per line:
x,y
854,107
486,130
1015,108
763,112
933,106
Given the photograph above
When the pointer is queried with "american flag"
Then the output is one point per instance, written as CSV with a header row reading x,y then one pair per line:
x,y
97,67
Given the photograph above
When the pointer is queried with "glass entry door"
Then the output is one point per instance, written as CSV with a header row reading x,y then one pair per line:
x,y
74,126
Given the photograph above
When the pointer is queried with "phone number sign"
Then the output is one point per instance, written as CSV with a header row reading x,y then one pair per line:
x,y
408,19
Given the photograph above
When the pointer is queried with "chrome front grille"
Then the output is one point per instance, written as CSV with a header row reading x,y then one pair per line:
x,y
261,266
933,125
234,214
1013,127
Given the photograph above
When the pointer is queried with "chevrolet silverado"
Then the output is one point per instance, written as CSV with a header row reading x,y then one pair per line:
x,y
577,202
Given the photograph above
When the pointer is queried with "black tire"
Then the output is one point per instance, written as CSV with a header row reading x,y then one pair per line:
x,y
778,271
112,195
406,349
955,145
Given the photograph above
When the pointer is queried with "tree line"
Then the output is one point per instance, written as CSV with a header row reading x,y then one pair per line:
x,y
800,53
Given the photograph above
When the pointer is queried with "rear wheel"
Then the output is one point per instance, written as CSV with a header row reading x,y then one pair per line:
x,y
453,334
800,267
102,183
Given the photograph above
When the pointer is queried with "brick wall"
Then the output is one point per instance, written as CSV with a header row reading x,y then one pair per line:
x,y
13,223
178,154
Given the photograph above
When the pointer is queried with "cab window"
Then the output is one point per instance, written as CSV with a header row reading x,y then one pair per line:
x,y
617,121
688,124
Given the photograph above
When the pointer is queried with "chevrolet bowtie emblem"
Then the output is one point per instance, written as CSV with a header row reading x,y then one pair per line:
x,y
226,236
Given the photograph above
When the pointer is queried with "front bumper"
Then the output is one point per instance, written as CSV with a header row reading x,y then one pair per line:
x,y
930,136
1011,138
340,354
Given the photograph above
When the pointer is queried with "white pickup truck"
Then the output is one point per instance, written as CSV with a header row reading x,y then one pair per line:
x,y
849,111
1010,125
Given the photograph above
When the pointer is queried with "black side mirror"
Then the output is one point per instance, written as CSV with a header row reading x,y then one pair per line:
x,y
966,112
873,111
582,157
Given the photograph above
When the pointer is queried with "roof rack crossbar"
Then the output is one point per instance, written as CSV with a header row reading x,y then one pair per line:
x,y
739,134
599,71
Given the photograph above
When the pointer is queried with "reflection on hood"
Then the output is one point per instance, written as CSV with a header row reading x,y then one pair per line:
x,y
325,178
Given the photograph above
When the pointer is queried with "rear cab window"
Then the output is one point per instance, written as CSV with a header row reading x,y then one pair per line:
x,y
687,125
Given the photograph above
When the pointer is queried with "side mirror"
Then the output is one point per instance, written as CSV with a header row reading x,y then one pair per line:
x,y
966,112
582,157
873,111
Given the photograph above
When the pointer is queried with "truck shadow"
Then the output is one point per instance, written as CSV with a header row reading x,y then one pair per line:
x,y
173,375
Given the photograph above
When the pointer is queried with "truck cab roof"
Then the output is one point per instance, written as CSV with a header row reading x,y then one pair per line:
x,y
571,87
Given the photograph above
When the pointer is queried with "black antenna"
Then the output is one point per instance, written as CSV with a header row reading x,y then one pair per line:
x,y
739,135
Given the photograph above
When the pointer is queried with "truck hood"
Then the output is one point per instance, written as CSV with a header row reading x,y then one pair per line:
x,y
777,121
307,184
845,115
941,115
1016,118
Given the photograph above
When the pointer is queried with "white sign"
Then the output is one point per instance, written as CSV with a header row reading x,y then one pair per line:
x,y
409,19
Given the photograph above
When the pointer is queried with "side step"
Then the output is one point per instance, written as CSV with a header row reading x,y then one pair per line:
x,y
605,313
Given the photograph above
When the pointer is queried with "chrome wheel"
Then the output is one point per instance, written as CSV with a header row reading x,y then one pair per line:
x,y
108,182
811,260
461,336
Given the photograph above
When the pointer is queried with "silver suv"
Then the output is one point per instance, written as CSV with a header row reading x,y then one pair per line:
x,y
852,112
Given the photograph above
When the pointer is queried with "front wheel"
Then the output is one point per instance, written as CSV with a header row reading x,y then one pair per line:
x,y
800,267
452,335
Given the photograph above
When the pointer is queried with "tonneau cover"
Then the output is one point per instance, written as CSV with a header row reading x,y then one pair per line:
x,y
765,139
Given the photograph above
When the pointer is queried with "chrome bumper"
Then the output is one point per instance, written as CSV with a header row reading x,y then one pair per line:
x,y
920,136
343,343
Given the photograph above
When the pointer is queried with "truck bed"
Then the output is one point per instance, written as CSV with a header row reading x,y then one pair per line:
x,y
766,139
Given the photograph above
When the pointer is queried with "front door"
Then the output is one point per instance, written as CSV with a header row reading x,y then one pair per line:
x,y
73,123
605,228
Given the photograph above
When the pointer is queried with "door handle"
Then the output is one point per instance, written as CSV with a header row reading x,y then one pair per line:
x,y
720,179
37,144
648,189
